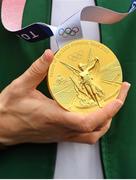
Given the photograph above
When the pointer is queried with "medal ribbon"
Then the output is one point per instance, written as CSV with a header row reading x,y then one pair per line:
x,y
71,29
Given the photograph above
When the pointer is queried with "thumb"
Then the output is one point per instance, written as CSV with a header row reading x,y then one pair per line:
x,y
37,71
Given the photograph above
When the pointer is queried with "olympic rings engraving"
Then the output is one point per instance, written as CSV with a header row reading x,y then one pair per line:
x,y
134,4
68,32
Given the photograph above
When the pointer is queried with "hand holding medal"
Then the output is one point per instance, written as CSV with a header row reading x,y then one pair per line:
x,y
85,75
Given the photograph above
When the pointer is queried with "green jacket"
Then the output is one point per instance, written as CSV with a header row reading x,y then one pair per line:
x,y
118,146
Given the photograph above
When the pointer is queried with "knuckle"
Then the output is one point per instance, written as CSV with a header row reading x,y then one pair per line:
x,y
16,83
88,125
36,67
119,104
108,115
3,109
85,125
14,90
106,128
93,140
79,123
14,87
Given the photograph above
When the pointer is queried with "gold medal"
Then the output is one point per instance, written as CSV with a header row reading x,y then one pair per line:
x,y
84,76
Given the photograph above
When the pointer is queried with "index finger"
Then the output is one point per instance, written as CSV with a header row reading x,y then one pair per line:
x,y
99,117
89,122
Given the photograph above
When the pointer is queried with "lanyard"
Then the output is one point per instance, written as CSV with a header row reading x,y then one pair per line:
x,y
71,29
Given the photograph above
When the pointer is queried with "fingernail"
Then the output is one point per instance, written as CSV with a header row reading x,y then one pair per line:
x,y
128,85
49,54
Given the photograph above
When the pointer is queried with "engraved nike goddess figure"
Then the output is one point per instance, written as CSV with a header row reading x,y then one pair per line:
x,y
87,83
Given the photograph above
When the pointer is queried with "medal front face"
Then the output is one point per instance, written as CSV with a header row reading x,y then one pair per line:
x,y
84,76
